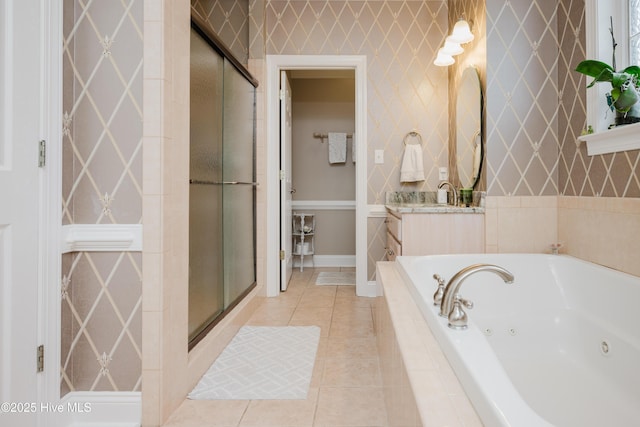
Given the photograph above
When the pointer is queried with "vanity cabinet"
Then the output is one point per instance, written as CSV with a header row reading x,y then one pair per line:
x,y
434,233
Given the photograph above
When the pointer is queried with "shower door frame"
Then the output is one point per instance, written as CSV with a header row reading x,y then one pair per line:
x,y
274,65
212,39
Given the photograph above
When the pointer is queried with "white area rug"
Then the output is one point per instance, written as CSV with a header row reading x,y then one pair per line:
x,y
336,278
262,362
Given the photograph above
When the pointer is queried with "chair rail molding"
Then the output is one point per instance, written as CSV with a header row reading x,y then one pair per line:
x,y
101,238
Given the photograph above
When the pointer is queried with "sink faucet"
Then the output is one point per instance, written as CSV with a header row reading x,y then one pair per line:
x,y
453,191
451,301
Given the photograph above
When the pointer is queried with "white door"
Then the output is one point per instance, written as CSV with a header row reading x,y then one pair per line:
x,y
20,106
286,190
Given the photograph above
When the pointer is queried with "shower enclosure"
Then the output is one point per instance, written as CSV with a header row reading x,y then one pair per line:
x,y
222,267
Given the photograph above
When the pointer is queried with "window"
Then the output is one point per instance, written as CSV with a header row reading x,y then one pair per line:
x,y
634,32
626,25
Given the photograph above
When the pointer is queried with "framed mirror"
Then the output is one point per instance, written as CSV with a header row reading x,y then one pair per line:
x,y
469,151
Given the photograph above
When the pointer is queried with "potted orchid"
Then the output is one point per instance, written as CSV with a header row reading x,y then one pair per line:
x,y
625,85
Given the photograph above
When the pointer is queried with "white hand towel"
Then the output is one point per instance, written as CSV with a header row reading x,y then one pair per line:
x,y
337,147
412,169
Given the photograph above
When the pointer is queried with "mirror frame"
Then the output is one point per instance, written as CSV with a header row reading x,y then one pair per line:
x,y
482,130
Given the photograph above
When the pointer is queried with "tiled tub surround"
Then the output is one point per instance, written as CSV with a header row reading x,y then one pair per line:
x,y
420,387
603,230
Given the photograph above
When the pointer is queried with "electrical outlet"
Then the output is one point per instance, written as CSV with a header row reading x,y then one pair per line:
x,y
379,157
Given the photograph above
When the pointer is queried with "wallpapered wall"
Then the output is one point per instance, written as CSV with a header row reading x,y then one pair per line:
x,y
609,175
102,164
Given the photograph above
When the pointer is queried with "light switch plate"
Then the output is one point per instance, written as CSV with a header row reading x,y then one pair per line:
x,y
443,174
379,157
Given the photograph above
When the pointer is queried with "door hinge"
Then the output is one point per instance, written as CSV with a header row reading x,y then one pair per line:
x,y
40,358
281,94
282,175
42,153
281,254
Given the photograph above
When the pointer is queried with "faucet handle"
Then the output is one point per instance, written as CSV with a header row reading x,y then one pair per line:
x,y
465,302
437,296
458,317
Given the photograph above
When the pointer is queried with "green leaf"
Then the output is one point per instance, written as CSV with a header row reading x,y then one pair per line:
x,y
605,76
618,79
593,68
633,70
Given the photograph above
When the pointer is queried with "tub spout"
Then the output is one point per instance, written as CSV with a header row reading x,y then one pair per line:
x,y
451,297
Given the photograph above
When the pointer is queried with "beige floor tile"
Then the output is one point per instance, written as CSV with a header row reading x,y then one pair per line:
x,y
208,413
271,315
350,406
312,313
310,316
351,373
347,356
316,375
349,347
281,413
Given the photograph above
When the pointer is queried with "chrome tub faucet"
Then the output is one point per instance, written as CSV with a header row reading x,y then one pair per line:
x,y
452,302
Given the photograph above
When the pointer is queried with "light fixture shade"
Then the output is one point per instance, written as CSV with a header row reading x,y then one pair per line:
x,y
443,60
452,48
461,32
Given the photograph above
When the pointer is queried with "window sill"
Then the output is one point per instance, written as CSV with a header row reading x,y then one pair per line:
x,y
622,138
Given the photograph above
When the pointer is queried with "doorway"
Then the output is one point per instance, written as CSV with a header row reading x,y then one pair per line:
x,y
276,64
323,165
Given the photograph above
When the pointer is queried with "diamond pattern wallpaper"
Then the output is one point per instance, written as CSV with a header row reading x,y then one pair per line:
x,y
522,98
405,90
608,175
102,163
229,19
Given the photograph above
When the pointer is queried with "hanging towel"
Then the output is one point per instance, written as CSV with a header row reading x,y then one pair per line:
x,y
412,169
337,147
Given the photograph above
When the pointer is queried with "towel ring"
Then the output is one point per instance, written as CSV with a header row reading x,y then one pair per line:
x,y
412,134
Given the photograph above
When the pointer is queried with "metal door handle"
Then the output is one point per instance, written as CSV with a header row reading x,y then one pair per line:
x,y
198,182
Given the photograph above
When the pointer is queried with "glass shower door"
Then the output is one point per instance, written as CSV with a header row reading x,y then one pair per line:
x,y
239,190
222,266
206,258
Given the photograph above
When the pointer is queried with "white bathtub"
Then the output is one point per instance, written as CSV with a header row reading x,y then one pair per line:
x,y
558,347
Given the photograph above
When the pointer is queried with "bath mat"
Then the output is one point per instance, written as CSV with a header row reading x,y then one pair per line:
x,y
336,278
262,362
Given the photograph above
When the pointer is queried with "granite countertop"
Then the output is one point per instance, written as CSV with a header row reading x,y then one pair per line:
x,y
403,208
403,202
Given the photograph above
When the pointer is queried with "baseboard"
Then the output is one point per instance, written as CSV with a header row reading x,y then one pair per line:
x,y
100,409
326,261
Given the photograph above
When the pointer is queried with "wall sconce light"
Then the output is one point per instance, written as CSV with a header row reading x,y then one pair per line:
x,y
451,48
460,34
443,59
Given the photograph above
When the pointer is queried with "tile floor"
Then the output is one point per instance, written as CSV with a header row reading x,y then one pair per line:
x,y
346,387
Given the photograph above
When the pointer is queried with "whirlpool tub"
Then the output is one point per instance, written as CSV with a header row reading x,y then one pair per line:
x,y
560,346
